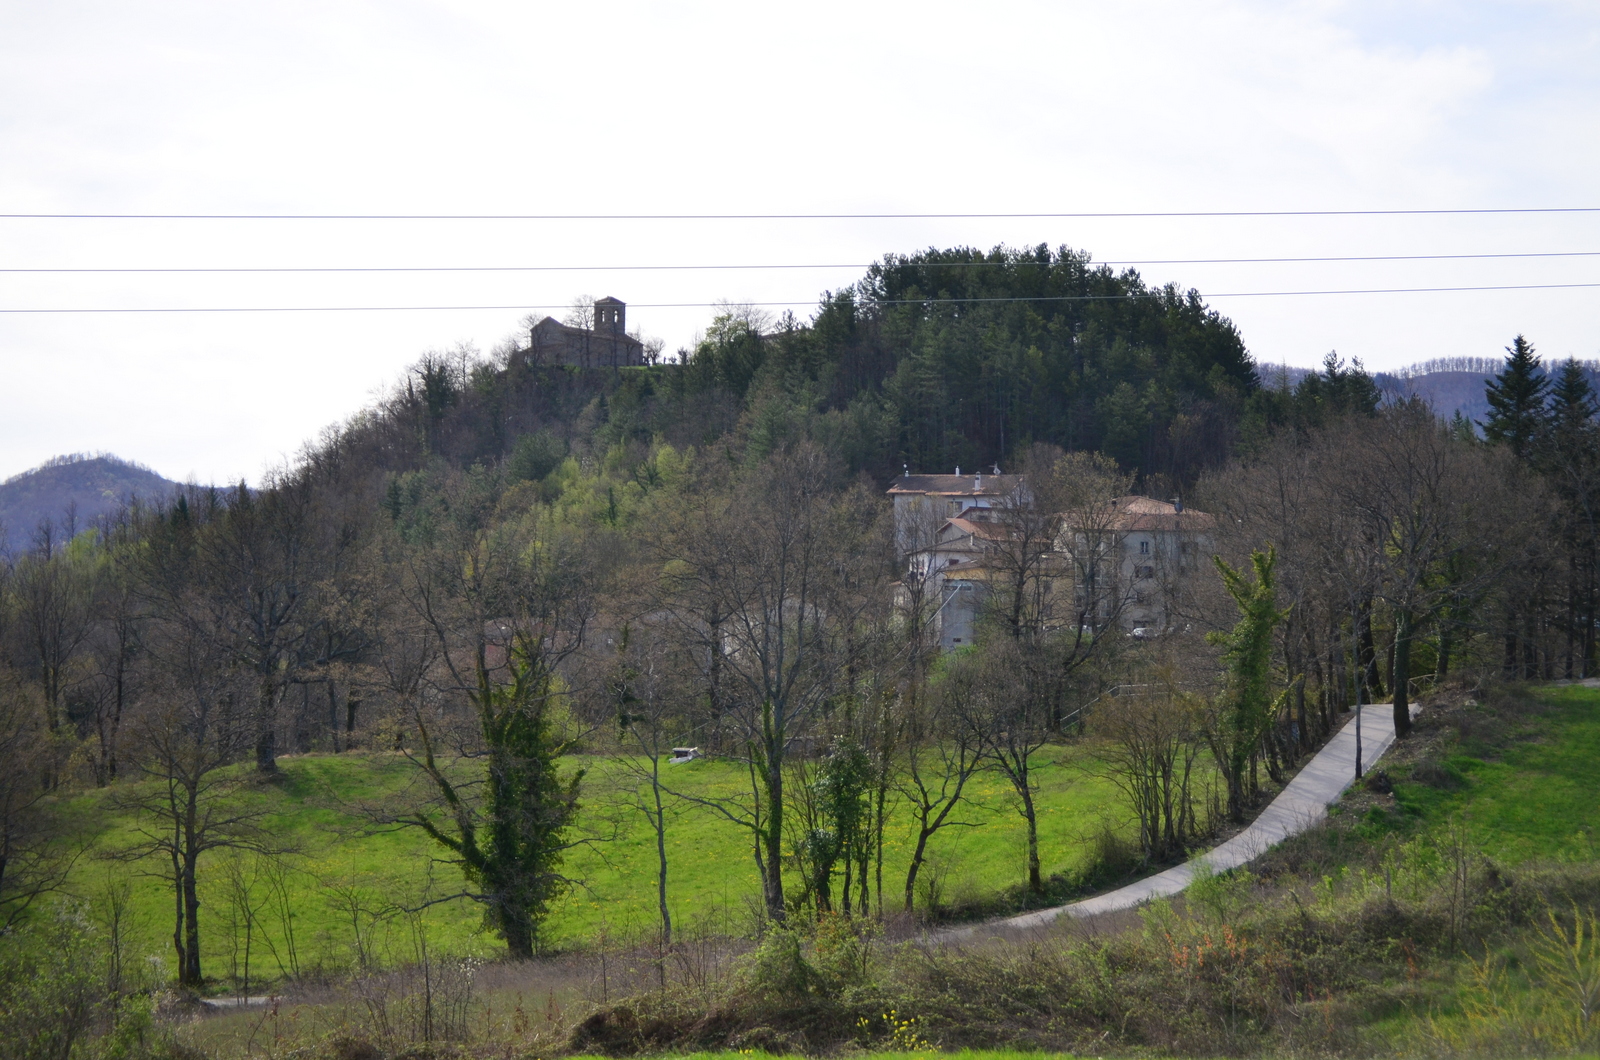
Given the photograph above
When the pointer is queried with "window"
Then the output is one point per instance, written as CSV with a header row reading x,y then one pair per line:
x,y
1144,572
1144,548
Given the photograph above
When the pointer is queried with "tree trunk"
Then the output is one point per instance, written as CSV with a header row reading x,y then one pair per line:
x,y
189,972
266,728
333,715
1402,672
1035,880
917,856
772,834
1369,655
661,851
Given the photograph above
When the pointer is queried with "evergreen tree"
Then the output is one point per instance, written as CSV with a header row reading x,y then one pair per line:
x,y
1573,404
1517,400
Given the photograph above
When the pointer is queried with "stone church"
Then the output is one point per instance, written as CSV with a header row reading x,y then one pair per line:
x,y
606,345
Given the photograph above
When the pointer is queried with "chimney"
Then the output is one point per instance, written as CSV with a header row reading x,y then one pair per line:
x,y
958,471
1177,505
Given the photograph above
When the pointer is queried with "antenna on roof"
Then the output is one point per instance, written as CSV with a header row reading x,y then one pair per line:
x,y
997,469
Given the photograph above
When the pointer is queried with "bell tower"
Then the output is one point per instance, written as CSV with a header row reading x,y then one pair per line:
x,y
610,316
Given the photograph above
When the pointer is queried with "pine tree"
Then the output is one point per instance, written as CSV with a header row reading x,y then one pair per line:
x,y
1573,404
1517,400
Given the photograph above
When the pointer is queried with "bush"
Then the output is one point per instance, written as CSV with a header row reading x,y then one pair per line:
x,y
56,1002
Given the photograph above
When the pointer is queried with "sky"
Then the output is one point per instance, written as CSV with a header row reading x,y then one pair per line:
x,y
412,107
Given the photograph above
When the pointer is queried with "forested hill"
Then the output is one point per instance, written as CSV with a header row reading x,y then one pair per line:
x,y
70,492
933,359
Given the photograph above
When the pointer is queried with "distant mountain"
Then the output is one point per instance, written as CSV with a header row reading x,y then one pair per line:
x,y
1457,384
1449,384
78,488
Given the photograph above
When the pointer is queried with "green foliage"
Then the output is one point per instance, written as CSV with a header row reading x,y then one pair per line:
x,y
1320,399
1517,400
57,1000
535,457
1246,706
841,790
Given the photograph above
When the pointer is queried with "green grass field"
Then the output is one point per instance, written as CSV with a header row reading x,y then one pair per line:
x,y
1527,790
316,808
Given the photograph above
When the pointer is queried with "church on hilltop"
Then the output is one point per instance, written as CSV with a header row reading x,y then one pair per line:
x,y
606,344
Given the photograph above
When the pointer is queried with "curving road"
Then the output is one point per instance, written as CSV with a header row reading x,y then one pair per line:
x,y
1300,805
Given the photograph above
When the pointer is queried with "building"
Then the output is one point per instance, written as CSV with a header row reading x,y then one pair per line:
x,y
606,345
1134,559
949,578
922,503
1126,564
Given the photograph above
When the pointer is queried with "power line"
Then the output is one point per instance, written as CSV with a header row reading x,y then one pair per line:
x,y
811,302
1074,215
224,270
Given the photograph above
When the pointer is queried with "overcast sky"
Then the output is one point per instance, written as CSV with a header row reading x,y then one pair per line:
x,y
417,107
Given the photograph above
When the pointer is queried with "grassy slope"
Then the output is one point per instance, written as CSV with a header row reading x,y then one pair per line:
x,y
712,874
1529,786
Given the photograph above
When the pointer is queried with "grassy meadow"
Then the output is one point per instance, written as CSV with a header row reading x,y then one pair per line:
x,y
346,870
1524,787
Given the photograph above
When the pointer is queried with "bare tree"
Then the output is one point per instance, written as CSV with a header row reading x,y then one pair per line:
x,y
642,691
941,756
1447,519
244,569
1007,707
189,729
775,562
35,852
1148,749
54,592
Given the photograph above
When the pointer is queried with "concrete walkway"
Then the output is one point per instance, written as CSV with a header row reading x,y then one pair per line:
x,y
1300,805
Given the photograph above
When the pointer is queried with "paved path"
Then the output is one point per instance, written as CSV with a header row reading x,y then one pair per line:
x,y
1300,805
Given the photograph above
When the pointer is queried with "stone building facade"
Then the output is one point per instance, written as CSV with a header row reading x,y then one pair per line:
x,y
605,345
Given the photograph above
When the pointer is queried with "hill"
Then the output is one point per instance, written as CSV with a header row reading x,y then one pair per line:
x,y
1456,384
71,491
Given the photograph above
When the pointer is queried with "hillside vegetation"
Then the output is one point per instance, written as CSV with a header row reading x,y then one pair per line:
x,y
409,705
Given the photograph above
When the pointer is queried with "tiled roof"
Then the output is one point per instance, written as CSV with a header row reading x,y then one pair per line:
x,y
1147,513
979,528
976,485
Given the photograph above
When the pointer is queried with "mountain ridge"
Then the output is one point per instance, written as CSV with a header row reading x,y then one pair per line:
x,y
71,492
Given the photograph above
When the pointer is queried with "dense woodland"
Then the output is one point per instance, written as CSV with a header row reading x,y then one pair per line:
x,y
499,563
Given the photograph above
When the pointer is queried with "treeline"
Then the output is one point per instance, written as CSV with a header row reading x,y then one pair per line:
x,y
933,360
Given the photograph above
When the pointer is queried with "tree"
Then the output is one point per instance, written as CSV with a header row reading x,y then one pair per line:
x,y
1148,750
941,756
767,576
1517,400
1243,711
505,602
641,688
54,592
245,567
1570,462
842,791
34,849
1445,519
113,650
188,731
1007,710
